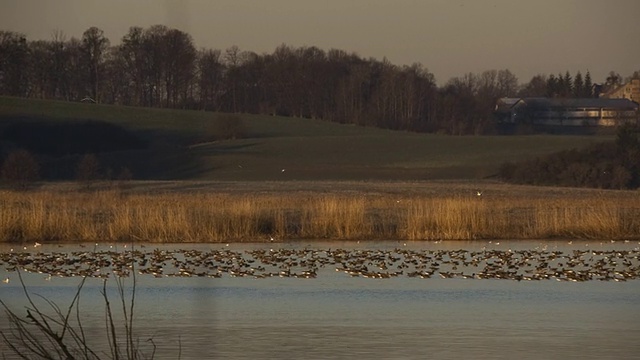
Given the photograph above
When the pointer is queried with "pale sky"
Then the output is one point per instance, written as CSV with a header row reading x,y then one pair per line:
x,y
449,37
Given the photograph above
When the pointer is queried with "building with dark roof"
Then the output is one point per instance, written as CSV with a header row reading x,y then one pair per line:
x,y
566,112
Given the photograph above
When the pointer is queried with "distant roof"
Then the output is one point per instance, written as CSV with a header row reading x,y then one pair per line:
x,y
542,102
505,104
509,101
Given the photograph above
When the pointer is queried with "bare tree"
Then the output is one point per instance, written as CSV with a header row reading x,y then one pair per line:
x,y
131,54
94,45
507,83
180,56
229,127
20,168
14,57
233,56
210,72
88,169
613,80
536,87
116,87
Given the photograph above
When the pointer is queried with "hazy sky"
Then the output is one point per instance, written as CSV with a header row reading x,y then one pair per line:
x,y
449,37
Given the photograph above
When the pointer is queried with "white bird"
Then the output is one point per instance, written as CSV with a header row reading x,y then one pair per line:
x,y
479,193
37,244
283,170
6,281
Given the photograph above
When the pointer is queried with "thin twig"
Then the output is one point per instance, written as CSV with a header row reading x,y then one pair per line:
x,y
113,344
133,297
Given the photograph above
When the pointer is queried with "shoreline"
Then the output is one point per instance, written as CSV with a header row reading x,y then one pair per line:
x,y
440,187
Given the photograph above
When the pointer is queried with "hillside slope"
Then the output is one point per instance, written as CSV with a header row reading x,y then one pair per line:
x,y
177,144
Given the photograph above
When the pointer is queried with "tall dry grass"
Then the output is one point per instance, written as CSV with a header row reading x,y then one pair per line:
x,y
174,217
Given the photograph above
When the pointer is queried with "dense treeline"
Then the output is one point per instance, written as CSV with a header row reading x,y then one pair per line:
x,y
161,67
614,165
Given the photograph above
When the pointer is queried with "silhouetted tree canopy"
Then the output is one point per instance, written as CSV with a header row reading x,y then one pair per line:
x,y
20,168
160,67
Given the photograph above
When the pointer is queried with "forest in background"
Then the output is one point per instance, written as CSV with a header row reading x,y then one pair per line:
x,y
161,67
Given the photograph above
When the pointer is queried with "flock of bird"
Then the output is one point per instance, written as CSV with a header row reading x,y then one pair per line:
x,y
520,265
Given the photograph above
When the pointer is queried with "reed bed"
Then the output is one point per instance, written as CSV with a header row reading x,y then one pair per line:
x,y
111,215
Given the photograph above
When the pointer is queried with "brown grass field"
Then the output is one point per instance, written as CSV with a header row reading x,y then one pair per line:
x,y
199,211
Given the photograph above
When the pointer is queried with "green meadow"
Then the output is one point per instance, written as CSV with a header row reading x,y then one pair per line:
x,y
181,145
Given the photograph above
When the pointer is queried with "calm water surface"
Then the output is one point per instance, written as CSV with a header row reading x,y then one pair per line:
x,y
338,316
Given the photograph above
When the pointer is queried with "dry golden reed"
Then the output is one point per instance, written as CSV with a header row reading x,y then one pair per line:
x,y
187,217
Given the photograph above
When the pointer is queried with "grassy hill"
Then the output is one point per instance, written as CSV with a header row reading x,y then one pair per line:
x,y
176,144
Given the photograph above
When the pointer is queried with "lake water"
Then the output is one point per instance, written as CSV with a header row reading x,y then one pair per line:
x,y
335,315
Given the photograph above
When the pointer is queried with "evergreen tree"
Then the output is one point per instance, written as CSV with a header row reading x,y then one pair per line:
x,y
578,86
560,90
552,86
567,82
588,86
